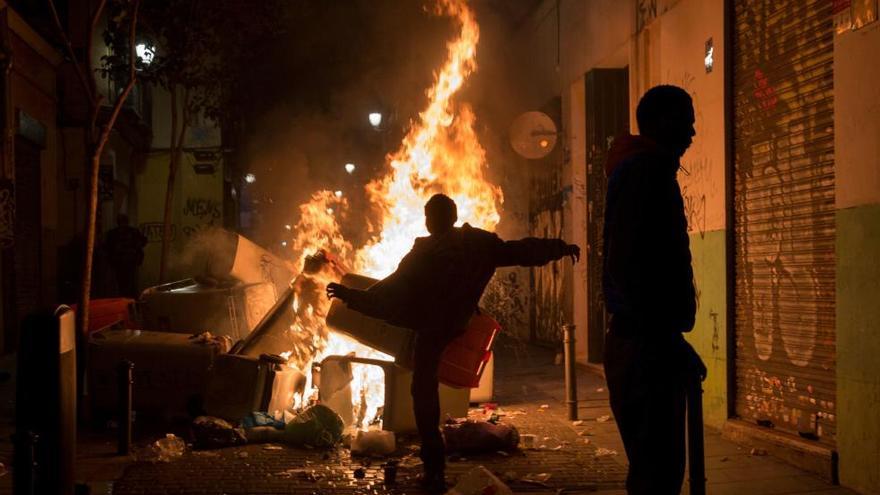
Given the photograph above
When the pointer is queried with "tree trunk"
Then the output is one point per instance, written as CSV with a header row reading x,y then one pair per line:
x,y
89,248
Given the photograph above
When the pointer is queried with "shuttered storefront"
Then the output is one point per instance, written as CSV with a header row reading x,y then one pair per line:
x,y
784,215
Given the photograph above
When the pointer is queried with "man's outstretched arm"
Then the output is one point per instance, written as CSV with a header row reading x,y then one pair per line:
x,y
534,251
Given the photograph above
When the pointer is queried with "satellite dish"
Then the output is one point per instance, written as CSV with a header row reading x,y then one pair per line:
x,y
533,135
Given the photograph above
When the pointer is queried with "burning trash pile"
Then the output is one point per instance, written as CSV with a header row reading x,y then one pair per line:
x,y
301,370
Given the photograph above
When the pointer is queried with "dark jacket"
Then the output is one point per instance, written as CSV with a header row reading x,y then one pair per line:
x,y
647,279
438,284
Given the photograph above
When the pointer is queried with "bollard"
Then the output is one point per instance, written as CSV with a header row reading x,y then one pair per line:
x,y
570,372
125,376
696,453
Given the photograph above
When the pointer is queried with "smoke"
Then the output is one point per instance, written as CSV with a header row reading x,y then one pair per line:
x,y
345,60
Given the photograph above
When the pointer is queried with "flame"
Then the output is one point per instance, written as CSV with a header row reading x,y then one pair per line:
x,y
439,154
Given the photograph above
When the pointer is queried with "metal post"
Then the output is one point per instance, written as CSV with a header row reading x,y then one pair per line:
x,y
570,372
125,375
696,453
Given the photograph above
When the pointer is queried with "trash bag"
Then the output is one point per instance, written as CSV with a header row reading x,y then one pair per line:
x,y
169,448
212,433
479,436
318,426
257,418
264,434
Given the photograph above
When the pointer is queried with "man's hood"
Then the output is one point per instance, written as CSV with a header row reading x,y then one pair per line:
x,y
625,147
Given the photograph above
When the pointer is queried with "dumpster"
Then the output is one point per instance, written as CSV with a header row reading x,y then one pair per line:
x,y
171,371
187,306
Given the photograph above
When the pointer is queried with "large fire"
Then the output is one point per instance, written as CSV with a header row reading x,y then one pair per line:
x,y
440,153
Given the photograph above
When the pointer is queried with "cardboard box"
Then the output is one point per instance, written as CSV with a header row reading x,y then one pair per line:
x,y
171,371
186,306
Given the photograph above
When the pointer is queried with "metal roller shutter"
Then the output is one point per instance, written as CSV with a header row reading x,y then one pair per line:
x,y
784,215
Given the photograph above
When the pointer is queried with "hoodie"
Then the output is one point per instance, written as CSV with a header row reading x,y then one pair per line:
x,y
647,275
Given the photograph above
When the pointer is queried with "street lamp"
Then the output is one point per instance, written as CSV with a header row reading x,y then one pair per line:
x,y
145,53
250,178
375,119
349,167
338,194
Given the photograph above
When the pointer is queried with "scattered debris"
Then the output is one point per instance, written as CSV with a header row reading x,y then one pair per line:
x,y
545,406
479,481
479,436
724,459
212,433
577,423
757,451
317,426
381,442
600,389
585,433
242,454
169,448
502,453
261,419
222,342
587,440
602,452
603,418
302,474
410,461
539,479
528,440
272,446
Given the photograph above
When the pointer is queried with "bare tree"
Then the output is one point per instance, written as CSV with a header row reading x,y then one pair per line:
x,y
97,134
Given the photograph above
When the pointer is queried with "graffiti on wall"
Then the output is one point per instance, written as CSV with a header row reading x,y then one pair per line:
x,y
785,216
506,300
548,313
695,178
153,231
7,213
203,209
200,215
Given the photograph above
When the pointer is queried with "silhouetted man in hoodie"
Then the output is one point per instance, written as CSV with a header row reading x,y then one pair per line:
x,y
649,291
435,291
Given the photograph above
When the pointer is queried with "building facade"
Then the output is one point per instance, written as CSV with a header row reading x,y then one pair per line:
x,y
781,190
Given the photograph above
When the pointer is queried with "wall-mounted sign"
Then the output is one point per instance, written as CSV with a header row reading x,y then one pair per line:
x,y
709,56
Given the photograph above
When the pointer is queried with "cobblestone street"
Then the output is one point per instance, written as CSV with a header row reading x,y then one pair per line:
x,y
569,457
585,457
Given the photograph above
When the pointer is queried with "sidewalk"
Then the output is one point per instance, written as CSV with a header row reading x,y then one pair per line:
x,y
585,457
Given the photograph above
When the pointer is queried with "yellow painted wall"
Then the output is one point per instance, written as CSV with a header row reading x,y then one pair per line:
x,y
198,204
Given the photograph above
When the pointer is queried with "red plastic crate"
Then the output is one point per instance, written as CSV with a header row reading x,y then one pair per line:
x,y
105,312
465,358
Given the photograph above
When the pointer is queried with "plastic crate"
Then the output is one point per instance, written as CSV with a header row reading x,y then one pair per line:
x,y
465,358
